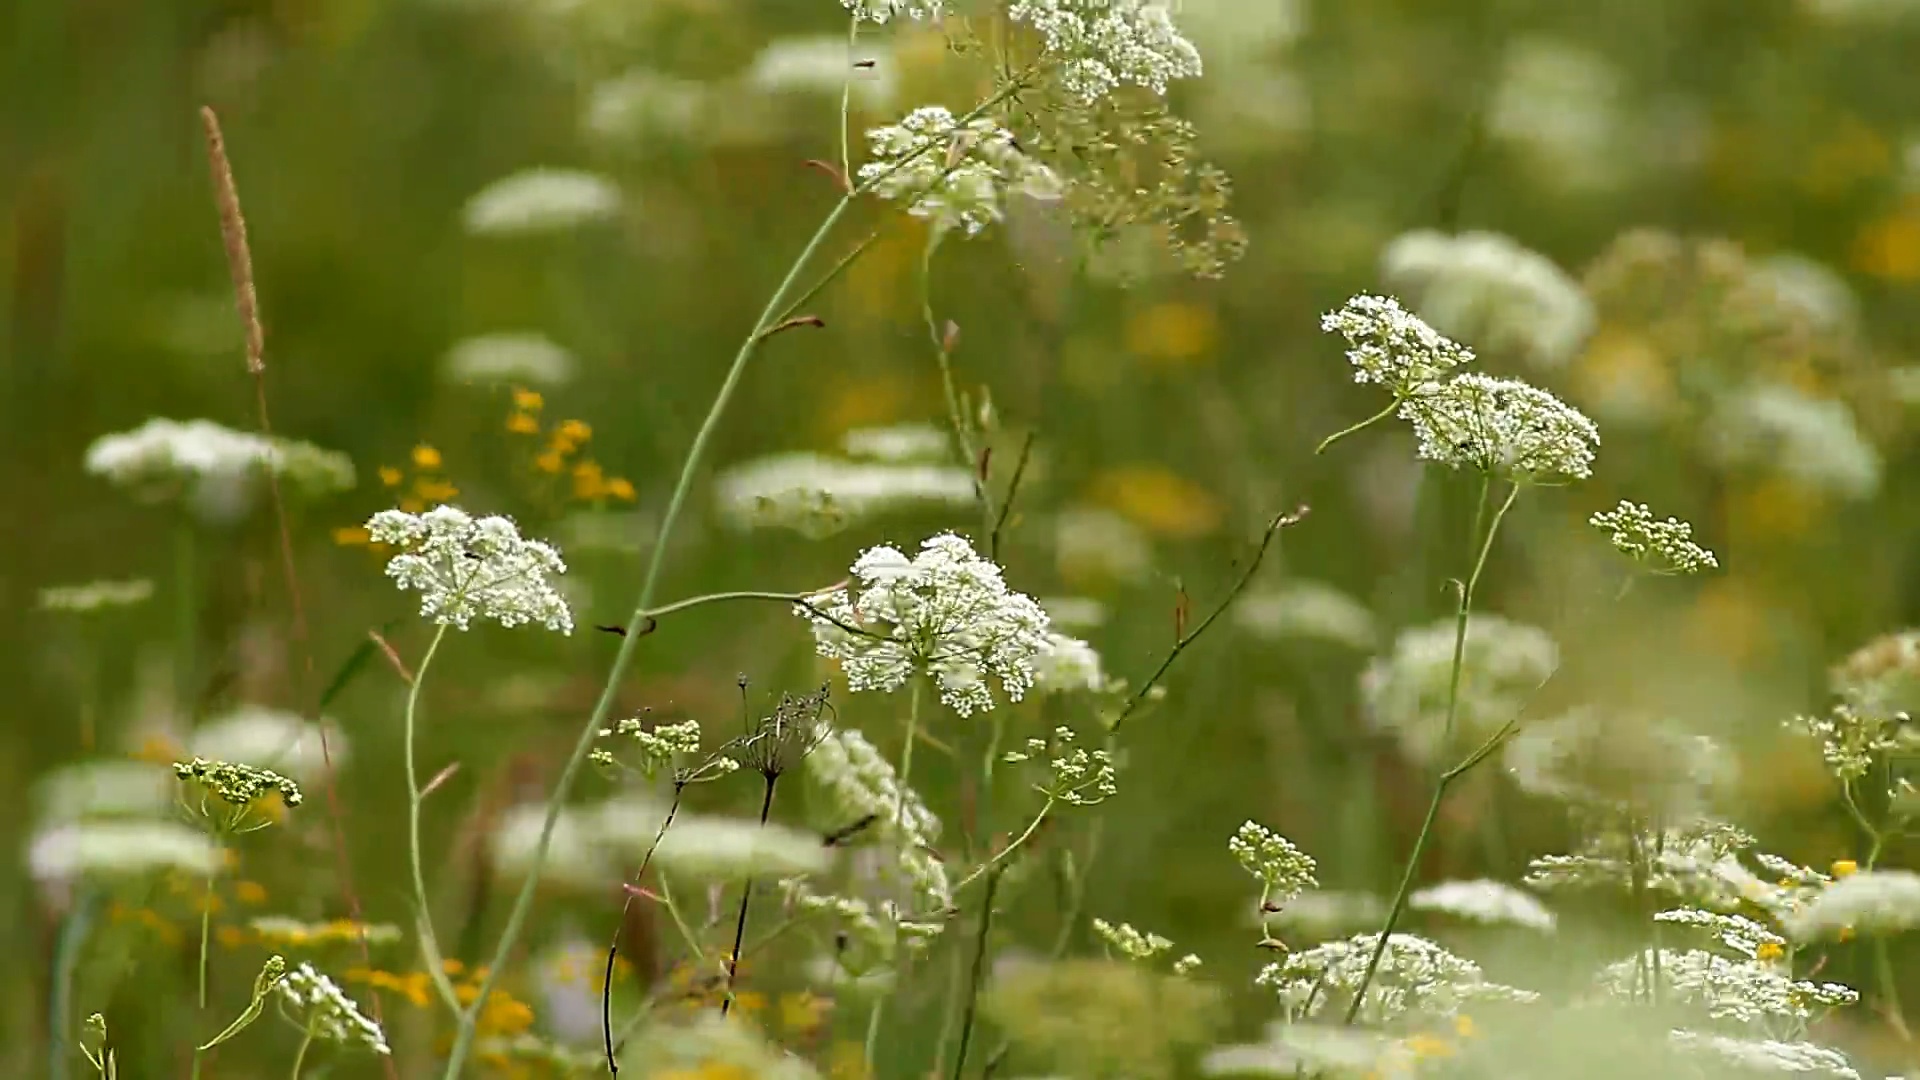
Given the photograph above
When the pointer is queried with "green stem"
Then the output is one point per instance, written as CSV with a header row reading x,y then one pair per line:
x,y
984,867
300,1056
746,898
846,102
186,617
1361,426
623,659
962,430
414,801
1447,777
973,981
206,919
899,817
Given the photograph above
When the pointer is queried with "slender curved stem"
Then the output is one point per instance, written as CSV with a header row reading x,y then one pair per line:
x,y
1447,777
206,919
973,981
984,867
962,430
414,801
613,947
1361,426
846,102
623,658
300,1056
903,777
746,897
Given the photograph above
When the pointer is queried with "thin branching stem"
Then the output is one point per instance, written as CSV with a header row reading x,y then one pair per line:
x,y
973,978
414,801
984,869
746,898
613,947
1361,426
1447,777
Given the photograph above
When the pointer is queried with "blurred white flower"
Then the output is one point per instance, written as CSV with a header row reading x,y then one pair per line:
x,y
1814,441
96,595
1502,664
218,471
900,444
541,200
726,849
1319,914
945,613
317,1003
953,175
271,739
120,848
1417,979
1132,943
1867,902
1852,737
466,568
575,855
1307,1049
1299,608
818,496
1766,1055
1737,932
1609,759
1091,542
1484,901
1068,665
1502,427
1810,286
1106,44
1485,288
111,787
864,786
1392,347
643,104
1077,612
1562,102
823,65
510,357
880,11
1862,11
1743,991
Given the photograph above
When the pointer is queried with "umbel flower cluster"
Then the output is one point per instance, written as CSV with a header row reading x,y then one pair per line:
x,y
237,784
950,173
1664,547
468,568
945,614
1502,427
1106,44
315,1002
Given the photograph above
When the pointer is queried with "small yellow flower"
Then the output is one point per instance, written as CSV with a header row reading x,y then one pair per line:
x,y
1464,1027
250,892
1429,1046
1845,868
803,1013
1769,950
621,488
1173,335
351,536
435,491
589,481
571,433
230,937
391,476
426,457
527,400
412,505
750,1002
550,461
1159,501
520,423
452,966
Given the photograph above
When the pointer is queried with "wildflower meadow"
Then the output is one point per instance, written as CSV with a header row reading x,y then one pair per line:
x,y
888,539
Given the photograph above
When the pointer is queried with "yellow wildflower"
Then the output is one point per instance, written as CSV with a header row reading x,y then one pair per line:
x,y
230,937
426,457
1769,950
1173,335
570,434
1429,1046
434,491
391,476
589,481
351,536
550,461
1158,500
520,423
1845,868
621,488
1464,1027
803,1013
250,892
527,400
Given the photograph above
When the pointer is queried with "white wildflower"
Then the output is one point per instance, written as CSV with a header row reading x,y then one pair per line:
x,y
1416,979
953,175
1068,665
1392,347
1319,914
576,855
1697,864
103,788
217,471
1106,44
1079,612
863,784
509,357
1852,737
817,496
645,104
1665,547
1486,288
1309,1049
1561,103
1076,776
1502,664
1283,870
96,595
1766,1055
1187,964
945,613
541,200
1742,991
1737,932
466,568
1133,944
668,748
879,11
1619,760
1503,427
1811,288
1301,609
316,1002
824,65
1484,901
899,443
1091,542
124,848
270,738
724,849
1814,441
1869,901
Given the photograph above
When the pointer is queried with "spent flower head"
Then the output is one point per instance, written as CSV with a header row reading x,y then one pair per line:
x,y
1663,547
1416,979
1765,1056
1132,944
864,786
1102,45
1853,737
785,738
314,1002
946,613
1502,427
950,173
237,784
466,568
1392,347
1283,870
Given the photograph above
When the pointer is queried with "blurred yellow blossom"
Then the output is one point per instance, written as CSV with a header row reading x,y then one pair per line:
x,y
1173,334
1851,153
864,402
1845,868
520,423
1773,509
426,457
527,400
391,476
1889,246
1158,500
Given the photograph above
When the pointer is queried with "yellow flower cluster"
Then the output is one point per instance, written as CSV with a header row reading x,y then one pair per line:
x,y
562,451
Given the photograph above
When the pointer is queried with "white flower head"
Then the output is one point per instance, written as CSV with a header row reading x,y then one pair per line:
x,y
817,495
314,1000
725,849
509,357
1502,664
103,788
270,738
880,11
576,854
120,848
1076,776
541,200
1484,901
1742,991
466,568
1814,441
1485,287
824,65
1870,901
899,443
864,786
96,595
1283,870
1502,427
1300,609
946,613
1416,979
953,175
1853,737
1392,347
216,470
1737,932
1106,44
1665,547
1068,665
1765,1055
